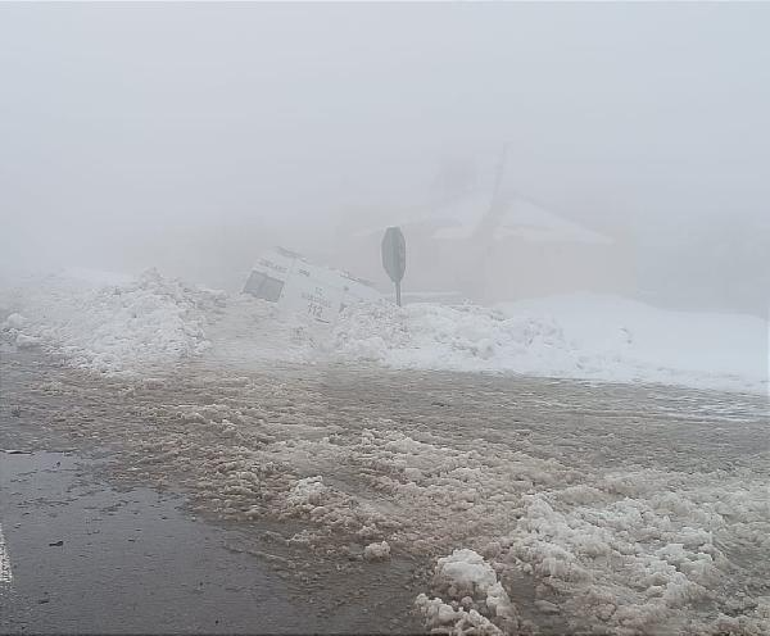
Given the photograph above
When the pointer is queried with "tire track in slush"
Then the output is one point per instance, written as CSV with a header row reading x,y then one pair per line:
x,y
6,573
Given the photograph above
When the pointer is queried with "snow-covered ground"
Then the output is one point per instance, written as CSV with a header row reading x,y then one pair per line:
x,y
581,336
116,324
717,350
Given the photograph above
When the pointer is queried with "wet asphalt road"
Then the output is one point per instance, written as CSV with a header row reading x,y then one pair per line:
x,y
83,553
85,558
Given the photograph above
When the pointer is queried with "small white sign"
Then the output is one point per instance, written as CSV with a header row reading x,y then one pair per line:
x,y
299,286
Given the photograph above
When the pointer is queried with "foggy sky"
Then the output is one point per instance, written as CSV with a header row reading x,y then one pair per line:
x,y
128,125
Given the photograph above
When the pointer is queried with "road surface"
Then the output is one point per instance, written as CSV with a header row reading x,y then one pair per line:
x,y
205,498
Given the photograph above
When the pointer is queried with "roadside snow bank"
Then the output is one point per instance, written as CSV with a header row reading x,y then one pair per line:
x,y
111,328
709,350
253,332
461,338
584,337
112,323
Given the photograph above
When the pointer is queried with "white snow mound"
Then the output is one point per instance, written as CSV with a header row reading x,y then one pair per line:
x,y
470,599
462,338
583,337
113,328
377,551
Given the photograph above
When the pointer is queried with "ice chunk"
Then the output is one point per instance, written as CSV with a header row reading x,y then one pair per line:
x,y
470,584
377,551
24,341
465,572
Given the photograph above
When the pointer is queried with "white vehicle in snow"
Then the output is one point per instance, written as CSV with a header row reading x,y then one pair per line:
x,y
286,278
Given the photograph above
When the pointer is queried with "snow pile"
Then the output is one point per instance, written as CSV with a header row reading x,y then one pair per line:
x,y
6,573
109,323
709,350
626,551
747,618
583,337
377,551
113,328
471,600
462,338
636,550
369,331
253,331
308,493
665,568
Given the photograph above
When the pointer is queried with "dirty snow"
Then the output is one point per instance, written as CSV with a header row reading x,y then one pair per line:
x,y
256,333
616,521
471,599
377,551
6,573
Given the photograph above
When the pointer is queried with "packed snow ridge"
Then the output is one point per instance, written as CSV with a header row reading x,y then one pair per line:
x,y
582,336
113,325
461,338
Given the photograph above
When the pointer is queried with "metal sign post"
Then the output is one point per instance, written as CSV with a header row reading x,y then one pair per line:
x,y
394,257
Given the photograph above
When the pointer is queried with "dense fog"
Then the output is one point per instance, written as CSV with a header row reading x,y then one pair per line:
x,y
193,136
385,318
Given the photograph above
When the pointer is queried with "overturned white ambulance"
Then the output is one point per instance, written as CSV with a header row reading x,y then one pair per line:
x,y
286,278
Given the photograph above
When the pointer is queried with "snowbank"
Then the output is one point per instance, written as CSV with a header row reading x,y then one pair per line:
x,y
253,332
712,350
111,323
111,328
462,338
585,337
